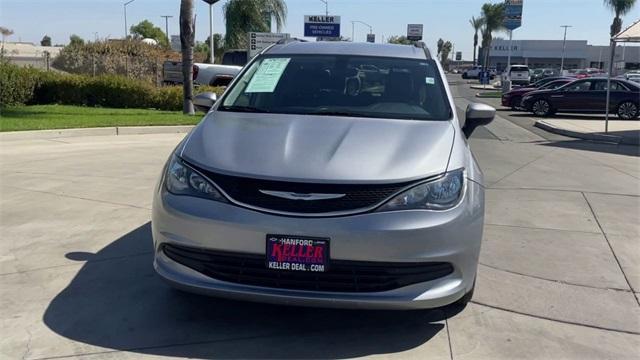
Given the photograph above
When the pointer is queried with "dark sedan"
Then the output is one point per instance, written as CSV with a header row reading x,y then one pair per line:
x,y
586,96
513,98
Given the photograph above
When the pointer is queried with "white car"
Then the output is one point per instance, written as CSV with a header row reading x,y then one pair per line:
x,y
518,74
203,74
474,72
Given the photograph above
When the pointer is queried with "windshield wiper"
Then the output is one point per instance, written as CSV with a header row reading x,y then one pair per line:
x,y
242,108
336,113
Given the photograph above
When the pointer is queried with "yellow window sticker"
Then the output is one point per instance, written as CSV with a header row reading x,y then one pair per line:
x,y
267,76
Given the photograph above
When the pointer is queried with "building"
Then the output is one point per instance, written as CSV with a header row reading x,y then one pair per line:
x,y
548,54
29,54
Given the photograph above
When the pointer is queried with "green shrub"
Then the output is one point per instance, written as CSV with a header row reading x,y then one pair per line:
x,y
32,86
17,84
170,97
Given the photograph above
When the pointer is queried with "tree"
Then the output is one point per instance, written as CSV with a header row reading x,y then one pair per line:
x,y
493,16
46,41
242,16
75,40
146,30
399,40
619,8
446,50
477,25
339,38
440,46
6,32
187,38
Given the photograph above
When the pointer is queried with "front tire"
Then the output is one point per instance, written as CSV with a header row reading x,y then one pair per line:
x,y
628,110
515,102
541,107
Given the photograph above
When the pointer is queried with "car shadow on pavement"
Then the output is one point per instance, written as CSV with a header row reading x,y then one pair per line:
x,y
116,301
595,146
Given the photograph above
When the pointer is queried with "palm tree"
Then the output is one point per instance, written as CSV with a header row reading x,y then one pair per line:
x,y
440,45
187,40
5,33
620,8
444,54
477,25
493,18
243,16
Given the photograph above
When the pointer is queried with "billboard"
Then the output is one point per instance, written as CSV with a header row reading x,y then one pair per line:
x,y
513,14
321,26
458,55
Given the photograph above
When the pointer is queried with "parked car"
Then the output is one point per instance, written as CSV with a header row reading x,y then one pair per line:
x,y
308,184
203,74
474,73
518,74
634,77
513,98
586,73
539,74
586,96
237,57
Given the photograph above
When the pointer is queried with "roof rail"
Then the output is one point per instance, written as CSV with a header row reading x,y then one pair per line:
x,y
288,40
423,46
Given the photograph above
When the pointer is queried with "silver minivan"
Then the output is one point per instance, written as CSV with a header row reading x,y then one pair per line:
x,y
329,174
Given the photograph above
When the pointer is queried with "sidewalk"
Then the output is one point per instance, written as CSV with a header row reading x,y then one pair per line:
x,y
620,131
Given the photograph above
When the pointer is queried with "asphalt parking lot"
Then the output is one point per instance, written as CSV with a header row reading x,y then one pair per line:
x,y
559,276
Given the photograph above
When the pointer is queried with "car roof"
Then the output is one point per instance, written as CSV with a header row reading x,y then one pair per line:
x,y
349,48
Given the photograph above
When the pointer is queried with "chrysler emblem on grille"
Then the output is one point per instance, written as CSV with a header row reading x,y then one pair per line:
x,y
301,196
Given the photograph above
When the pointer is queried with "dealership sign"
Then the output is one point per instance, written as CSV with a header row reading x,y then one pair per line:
x,y
259,41
414,32
513,14
321,26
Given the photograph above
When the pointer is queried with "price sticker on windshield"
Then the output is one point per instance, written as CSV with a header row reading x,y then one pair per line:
x,y
267,76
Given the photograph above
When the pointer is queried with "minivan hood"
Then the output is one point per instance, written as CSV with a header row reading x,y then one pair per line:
x,y
320,148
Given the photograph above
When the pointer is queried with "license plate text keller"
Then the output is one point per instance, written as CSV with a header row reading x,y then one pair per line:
x,y
296,253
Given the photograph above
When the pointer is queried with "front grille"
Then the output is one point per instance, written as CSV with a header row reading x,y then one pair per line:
x,y
357,196
342,276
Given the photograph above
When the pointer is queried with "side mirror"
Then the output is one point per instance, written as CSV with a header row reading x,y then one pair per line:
x,y
477,115
204,101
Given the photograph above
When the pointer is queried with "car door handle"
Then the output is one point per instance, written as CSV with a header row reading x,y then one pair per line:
x,y
557,96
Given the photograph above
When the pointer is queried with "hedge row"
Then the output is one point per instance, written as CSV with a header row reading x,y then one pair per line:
x,y
19,86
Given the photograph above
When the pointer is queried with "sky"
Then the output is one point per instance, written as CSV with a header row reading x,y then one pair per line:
x,y
446,19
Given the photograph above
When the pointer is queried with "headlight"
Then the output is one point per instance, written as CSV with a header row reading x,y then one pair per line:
x,y
440,194
182,180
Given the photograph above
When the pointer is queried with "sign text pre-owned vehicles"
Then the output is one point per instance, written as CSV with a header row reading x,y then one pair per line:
x,y
329,174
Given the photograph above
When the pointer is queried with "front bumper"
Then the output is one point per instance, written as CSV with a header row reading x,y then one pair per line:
x,y
451,236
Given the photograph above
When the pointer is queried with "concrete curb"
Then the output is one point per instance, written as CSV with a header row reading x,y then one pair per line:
x,y
586,136
101,131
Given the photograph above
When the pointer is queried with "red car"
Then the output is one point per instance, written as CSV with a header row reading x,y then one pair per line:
x,y
513,98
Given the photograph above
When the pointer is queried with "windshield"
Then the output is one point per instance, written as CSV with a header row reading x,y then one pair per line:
x,y
341,85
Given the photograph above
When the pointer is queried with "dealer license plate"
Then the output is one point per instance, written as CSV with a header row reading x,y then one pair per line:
x,y
297,253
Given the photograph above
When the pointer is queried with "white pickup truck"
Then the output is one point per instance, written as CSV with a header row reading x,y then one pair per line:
x,y
203,74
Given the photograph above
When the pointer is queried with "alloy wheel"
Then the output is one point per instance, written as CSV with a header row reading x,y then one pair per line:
x,y
628,110
541,108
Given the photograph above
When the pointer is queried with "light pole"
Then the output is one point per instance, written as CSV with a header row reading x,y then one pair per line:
x,y
564,44
126,28
326,7
353,23
166,25
211,53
